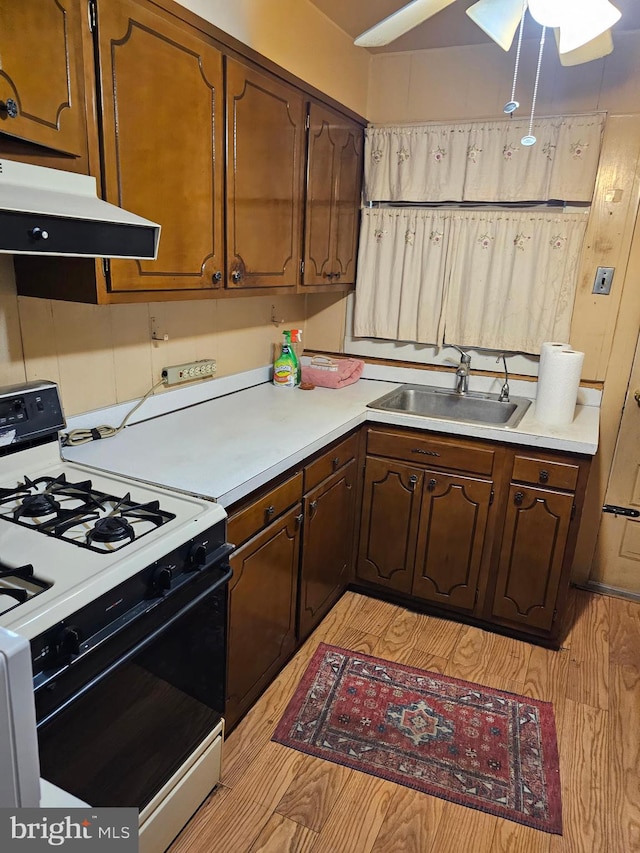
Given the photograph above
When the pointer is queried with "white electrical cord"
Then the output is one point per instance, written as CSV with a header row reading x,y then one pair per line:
x,y
82,436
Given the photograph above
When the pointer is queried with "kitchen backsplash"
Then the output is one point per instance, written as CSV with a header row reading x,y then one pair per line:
x,y
103,354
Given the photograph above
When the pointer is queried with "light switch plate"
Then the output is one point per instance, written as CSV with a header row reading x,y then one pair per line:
x,y
602,283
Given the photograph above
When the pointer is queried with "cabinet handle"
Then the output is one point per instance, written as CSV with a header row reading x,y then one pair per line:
x,y
37,233
337,274
336,463
269,511
217,276
236,276
299,519
432,484
312,507
518,498
9,107
412,481
544,476
329,275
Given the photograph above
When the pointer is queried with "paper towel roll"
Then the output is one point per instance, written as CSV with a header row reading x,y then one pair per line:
x,y
558,383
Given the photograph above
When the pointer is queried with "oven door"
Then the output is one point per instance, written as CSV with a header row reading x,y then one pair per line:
x,y
115,727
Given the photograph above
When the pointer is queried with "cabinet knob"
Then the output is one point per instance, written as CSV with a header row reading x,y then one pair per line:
x,y
518,498
544,477
336,463
413,479
313,506
299,519
9,107
217,276
38,233
236,276
328,275
432,484
269,511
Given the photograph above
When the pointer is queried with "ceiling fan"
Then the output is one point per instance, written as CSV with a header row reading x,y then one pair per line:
x,y
582,27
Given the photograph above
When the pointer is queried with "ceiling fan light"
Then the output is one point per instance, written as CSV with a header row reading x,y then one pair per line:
x,y
498,18
548,13
592,18
597,48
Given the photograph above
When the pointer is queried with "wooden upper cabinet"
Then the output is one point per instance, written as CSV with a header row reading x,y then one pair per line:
x,y
265,154
334,181
41,73
162,99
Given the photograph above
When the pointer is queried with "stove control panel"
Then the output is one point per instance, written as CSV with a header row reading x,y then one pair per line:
x,y
29,411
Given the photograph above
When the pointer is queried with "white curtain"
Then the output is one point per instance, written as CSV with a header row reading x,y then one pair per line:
x,y
511,278
484,161
401,270
497,279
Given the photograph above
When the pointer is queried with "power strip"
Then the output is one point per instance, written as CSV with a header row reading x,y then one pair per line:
x,y
203,369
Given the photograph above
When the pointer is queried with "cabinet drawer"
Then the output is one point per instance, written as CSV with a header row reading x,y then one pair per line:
x,y
426,450
330,462
250,520
557,475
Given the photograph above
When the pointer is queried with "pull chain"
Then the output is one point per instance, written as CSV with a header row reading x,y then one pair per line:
x,y
512,105
530,139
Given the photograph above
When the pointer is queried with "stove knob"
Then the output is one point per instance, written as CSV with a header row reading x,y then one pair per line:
x,y
68,642
162,578
197,557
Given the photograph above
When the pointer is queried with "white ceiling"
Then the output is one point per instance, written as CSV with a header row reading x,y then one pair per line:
x,y
449,27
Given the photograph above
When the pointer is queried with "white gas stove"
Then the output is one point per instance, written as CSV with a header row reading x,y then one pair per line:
x,y
120,588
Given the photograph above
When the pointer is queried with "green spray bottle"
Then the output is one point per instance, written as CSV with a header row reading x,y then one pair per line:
x,y
285,367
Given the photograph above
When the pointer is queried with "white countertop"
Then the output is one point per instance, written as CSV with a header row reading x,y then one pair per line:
x,y
226,447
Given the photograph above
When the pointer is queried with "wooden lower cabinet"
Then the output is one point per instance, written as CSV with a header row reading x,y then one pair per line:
x,y
532,555
262,610
451,536
389,526
329,520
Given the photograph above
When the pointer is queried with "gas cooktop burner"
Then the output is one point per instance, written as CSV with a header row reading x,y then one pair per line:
x,y
78,513
17,585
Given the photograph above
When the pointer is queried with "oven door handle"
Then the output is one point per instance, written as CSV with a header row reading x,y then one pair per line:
x,y
139,647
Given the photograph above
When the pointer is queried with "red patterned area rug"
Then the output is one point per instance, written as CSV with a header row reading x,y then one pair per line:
x,y
483,748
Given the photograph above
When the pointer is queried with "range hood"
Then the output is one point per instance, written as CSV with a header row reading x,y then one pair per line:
x,y
51,212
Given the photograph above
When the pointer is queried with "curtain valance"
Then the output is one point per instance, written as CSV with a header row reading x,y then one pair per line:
x,y
484,161
494,279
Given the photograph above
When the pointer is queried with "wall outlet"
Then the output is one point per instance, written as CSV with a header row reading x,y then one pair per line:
x,y
602,283
203,369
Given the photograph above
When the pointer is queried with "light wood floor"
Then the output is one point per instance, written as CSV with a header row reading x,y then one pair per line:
x,y
277,800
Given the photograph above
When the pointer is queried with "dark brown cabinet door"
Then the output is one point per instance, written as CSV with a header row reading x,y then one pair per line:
x,y
265,152
41,73
453,521
162,97
532,557
262,604
388,531
327,550
334,180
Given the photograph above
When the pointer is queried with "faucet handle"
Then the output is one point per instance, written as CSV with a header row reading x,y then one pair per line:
x,y
465,358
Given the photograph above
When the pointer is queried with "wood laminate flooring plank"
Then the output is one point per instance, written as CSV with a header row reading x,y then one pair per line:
x,y
510,837
356,641
624,638
508,658
624,734
269,775
463,830
584,773
357,815
372,616
546,679
281,835
313,792
410,823
589,660
439,636
424,660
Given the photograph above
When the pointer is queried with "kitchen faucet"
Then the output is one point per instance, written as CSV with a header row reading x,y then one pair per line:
x,y
462,373
504,391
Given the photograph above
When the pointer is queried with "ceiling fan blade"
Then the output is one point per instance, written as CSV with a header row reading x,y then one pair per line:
x,y
598,47
498,18
400,22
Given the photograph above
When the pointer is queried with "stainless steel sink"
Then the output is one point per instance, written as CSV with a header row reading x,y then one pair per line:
x,y
471,407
